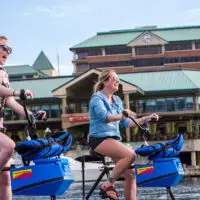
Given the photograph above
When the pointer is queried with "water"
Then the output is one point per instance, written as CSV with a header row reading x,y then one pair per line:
x,y
188,189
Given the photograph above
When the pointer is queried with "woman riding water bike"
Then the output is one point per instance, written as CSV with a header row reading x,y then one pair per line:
x,y
104,136
7,98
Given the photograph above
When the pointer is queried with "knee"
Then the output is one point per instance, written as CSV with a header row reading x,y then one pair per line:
x,y
131,157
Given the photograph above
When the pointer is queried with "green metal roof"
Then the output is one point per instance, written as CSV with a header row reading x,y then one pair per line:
x,y
124,37
108,40
41,87
42,62
164,80
21,70
179,34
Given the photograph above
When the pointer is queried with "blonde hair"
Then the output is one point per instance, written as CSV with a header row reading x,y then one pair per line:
x,y
104,76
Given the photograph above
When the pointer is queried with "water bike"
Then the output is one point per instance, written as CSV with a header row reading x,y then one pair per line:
x,y
163,168
48,175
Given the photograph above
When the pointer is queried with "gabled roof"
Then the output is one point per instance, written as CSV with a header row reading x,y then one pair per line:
x,y
21,70
42,62
60,91
124,37
41,87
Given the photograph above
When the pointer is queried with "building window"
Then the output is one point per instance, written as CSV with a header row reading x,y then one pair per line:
x,y
81,55
151,105
197,45
189,104
149,62
84,107
171,104
7,114
161,105
141,106
166,104
36,108
132,104
71,108
46,108
146,50
180,104
178,46
83,67
119,50
16,116
55,111
95,52
111,64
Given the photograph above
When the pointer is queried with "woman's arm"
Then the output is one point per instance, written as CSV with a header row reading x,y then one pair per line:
x,y
15,106
143,119
7,92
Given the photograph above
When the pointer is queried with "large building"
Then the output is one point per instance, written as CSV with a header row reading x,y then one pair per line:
x,y
141,49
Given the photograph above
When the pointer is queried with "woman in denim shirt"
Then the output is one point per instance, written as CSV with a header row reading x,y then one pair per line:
x,y
104,135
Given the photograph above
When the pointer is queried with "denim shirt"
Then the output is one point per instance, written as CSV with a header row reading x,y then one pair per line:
x,y
99,108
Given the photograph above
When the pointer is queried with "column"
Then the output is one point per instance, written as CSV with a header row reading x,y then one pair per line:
x,y
75,67
133,51
74,55
196,103
64,105
193,45
163,49
127,106
193,158
126,100
103,52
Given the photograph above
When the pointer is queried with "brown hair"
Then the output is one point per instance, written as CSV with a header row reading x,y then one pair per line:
x,y
104,76
3,38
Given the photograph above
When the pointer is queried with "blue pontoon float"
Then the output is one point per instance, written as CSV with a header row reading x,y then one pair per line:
x,y
49,175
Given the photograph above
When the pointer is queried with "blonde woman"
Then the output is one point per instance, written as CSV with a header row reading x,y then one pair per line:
x,y
104,136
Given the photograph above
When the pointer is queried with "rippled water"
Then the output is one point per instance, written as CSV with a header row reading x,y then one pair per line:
x,y
188,189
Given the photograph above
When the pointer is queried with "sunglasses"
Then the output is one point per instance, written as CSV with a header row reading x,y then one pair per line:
x,y
5,48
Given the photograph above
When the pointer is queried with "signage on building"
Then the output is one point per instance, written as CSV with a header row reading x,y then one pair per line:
x,y
79,119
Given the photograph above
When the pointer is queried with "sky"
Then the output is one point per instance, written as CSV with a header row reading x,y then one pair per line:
x,y
56,25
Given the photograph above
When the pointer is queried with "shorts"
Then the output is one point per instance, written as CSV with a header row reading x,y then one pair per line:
x,y
95,141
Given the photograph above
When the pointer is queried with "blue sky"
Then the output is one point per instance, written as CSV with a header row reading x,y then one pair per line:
x,y
56,25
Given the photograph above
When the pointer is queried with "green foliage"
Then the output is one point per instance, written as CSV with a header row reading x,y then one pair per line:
x,y
189,126
168,128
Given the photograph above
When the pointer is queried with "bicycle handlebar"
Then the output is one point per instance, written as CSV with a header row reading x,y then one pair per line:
x,y
31,126
144,130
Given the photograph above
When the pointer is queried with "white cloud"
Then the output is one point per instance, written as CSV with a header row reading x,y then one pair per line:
x,y
62,11
193,16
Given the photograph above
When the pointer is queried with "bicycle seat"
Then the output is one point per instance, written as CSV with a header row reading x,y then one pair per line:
x,y
94,153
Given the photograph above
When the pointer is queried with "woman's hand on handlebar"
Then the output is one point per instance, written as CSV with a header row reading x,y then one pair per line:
x,y
28,93
23,94
127,113
39,115
154,116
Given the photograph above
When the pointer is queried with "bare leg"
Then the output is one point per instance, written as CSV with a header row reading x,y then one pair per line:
x,y
118,152
130,184
5,184
6,150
